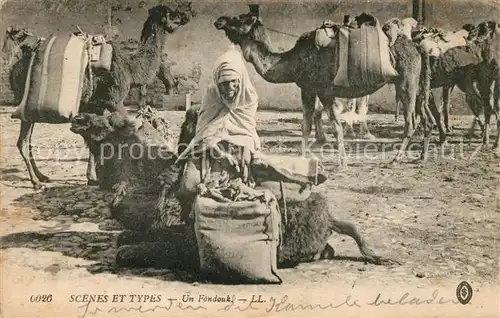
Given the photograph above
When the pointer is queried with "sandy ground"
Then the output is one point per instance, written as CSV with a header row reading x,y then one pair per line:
x,y
440,220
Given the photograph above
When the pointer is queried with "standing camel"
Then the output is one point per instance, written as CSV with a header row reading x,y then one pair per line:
x,y
110,88
464,67
20,41
313,70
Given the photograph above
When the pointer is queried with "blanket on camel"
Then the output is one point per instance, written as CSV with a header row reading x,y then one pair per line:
x,y
54,82
362,56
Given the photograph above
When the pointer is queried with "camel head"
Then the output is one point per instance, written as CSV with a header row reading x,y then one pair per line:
x,y
100,128
394,27
17,34
238,28
482,31
166,18
18,42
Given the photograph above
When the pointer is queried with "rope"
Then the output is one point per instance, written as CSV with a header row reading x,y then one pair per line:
x,y
285,33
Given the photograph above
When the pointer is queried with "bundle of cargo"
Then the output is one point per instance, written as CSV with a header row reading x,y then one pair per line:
x,y
56,76
54,82
362,56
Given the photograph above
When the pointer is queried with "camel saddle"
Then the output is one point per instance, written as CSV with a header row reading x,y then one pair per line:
x,y
438,43
54,81
362,56
288,175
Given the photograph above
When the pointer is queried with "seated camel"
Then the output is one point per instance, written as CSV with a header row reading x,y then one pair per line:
x,y
134,159
319,220
148,204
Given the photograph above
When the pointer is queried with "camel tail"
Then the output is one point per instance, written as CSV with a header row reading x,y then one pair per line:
x,y
425,87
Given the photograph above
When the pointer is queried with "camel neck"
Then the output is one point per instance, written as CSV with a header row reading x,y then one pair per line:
x,y
274,67
146,62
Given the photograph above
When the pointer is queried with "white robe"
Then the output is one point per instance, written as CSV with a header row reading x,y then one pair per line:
x,y
220,120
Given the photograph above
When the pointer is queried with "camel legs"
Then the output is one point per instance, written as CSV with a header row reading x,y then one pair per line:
x,y
474,100
308,106
346,228
396,115
484,88
408,101
166,78
437,105
398,106
362,111
142,95
446,107
91,166
318,113
334,110
25,148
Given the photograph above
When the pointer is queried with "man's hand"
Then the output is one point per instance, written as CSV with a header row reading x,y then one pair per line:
x,y
221,154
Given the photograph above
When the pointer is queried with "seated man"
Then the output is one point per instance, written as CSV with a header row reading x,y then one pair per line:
x,y
226,123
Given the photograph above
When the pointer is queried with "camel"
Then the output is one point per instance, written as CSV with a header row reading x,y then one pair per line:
x,y
21,41
313,70
149,207
110,88
436,42
164,73
140,183
464,66
312,213
352,109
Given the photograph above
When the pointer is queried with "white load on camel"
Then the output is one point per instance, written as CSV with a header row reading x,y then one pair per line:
x,y
56,74
434,41
355,44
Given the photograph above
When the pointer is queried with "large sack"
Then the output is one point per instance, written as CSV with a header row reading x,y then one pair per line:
x,y
238,241
54,82
363,57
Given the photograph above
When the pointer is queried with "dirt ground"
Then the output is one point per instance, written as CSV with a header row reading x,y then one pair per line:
x,y
440,220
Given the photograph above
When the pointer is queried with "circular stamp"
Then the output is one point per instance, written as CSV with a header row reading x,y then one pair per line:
x,y
464,292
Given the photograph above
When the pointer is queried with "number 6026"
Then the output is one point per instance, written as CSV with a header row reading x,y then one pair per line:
x,y
41,298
